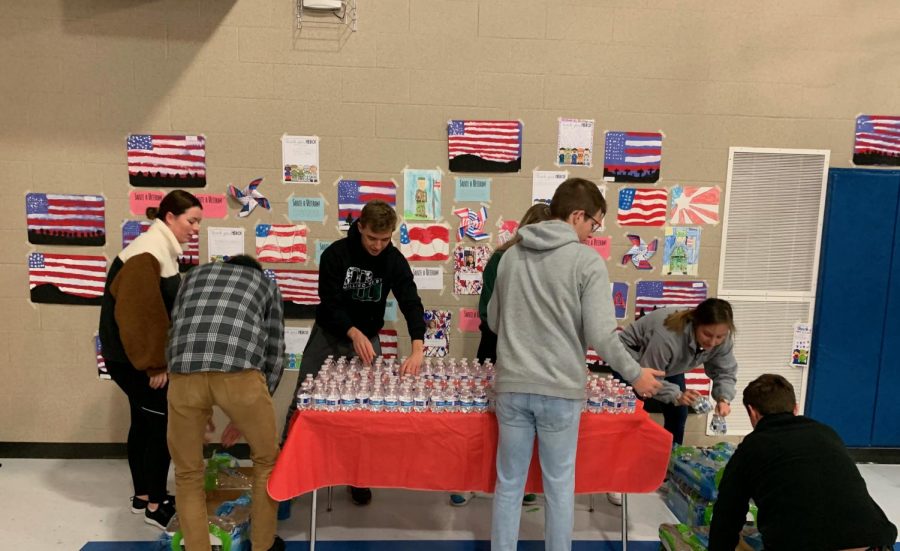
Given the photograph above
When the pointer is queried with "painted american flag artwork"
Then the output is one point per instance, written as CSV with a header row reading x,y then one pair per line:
x,y
281,243
472,222
632,157
484,146
186,260
642,206
425,241
354,194
299,291
877,141
695,205
55,219
167,161
387,338
66,278
102,370
469,269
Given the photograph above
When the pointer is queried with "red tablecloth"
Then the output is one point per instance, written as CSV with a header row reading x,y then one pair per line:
x,y
456,452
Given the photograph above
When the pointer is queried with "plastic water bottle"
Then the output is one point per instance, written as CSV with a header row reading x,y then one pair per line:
x,y
390,399
620,398
718,425
701,405
304,399
362,395
420,402
332,398
348,397
437,400
630,400
466,401
405,399
451,400
595,401
609,401
319,402
376,400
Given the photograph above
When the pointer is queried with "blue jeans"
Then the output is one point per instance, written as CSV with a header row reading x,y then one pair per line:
x,y
555,420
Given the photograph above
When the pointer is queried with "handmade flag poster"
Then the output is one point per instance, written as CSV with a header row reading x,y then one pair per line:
x,y
354,194
223,243
387,338
249,198
66,278
620,298
544,184
281,243
575,142
506,230
484,146
681,251
190,256
694,205
102,370
877,141
632,157
421,194
166,161
299,291
469,269
642,206
300,159
54,219
471,223
640,253
295,339
437,333
650,295
425,241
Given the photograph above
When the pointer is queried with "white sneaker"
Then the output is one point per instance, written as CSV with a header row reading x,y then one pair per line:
x,y
615,498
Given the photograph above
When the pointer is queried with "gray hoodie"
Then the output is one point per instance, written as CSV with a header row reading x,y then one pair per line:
x,y
551,302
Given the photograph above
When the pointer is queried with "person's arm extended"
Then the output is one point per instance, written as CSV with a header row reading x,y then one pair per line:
x,y
141,314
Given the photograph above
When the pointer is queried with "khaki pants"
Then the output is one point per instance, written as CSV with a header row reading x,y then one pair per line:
x,y
244,397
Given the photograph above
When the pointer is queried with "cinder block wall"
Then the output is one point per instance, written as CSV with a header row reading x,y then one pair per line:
x,y
78,76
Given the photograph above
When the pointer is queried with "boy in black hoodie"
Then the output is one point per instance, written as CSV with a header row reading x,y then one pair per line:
x,y
355,276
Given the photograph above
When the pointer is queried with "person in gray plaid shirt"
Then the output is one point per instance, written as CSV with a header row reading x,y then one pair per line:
x,y
226,348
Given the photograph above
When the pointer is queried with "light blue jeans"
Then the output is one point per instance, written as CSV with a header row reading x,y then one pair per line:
x,y
555,421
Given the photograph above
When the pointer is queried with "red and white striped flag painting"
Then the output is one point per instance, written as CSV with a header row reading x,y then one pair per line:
x,y
425,241
696,379
66,278
55,219
157,160
299,291
484,146
642,206
694,205
388,340
281,243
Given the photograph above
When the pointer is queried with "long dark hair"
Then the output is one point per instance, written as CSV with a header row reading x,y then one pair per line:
x,y
711,311
538,212
176,201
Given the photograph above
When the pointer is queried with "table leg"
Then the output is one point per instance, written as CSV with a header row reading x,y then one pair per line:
x,y
312,522
330,498
591,509
624,521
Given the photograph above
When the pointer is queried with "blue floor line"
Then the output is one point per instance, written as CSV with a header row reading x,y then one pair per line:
x,y
408,545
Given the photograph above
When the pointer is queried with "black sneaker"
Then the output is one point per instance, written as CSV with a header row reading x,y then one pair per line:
x,y
360,496
161,516
139,505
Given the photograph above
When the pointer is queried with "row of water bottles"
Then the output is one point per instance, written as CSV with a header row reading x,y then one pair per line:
x,y
608,395
441,387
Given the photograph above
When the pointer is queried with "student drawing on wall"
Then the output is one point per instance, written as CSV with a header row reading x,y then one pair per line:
x,y
421,197
678,260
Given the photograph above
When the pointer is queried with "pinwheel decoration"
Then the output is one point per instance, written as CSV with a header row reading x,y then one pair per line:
x,y
640,253
249,198
471,223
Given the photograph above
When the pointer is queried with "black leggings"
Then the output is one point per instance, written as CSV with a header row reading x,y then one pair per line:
x,y
674,416
148,452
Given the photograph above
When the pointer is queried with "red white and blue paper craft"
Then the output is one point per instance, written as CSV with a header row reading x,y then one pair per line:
x,y
354,194
484,146
66,278
472,222
166,161
425,241
632,157
877,141
55,219
299,291
249,198
640,252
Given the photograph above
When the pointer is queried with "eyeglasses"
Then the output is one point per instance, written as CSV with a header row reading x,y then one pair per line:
x,y
595,224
